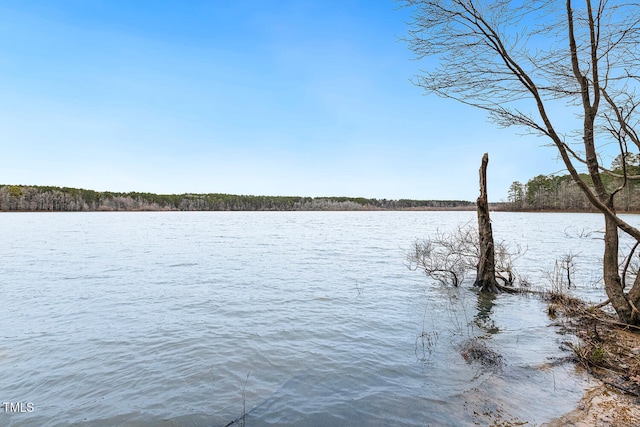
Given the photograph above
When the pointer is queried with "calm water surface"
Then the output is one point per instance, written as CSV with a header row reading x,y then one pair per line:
x,y
300,318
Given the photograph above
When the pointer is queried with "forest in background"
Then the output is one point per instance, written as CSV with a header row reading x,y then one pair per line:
x,y
42,198
541,193
552,192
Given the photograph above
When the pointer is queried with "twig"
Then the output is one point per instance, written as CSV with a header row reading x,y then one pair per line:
x,y
602,304
626,265
621,388
610,321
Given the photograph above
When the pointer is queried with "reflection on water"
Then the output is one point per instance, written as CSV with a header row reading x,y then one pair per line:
x,y
482,318
297,318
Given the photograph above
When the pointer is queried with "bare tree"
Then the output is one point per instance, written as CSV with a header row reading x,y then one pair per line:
x,y
449,257
446,257
521,61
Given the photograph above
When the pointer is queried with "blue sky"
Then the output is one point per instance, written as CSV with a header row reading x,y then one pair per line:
x,y
262,97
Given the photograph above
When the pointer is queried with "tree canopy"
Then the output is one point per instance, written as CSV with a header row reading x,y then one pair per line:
x,y
46,198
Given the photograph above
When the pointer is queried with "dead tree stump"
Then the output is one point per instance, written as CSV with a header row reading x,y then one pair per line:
x,y
486,273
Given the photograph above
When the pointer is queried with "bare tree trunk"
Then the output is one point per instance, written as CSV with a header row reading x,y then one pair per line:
x,y
624,305
486,277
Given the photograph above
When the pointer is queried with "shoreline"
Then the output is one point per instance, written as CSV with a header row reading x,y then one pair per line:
x,y
610,353
601,406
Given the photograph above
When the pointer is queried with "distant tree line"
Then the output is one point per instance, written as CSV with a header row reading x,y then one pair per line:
x,y
43,198
551,192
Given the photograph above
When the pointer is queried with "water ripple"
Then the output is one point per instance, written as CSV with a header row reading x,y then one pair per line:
x,y
184,319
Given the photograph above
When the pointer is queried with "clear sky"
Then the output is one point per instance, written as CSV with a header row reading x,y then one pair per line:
x,y
260,97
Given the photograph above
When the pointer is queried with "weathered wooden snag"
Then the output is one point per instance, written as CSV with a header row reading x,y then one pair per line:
x,y
486,277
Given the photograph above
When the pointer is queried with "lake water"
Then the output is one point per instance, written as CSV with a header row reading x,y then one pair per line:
x,y
292,318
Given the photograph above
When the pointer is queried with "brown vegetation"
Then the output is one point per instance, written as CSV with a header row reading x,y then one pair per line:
x,y
608,350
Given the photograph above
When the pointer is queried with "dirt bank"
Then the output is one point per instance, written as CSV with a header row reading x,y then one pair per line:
x,y
610,351
602,406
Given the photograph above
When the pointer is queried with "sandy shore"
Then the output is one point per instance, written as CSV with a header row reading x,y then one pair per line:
x,y
602,406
